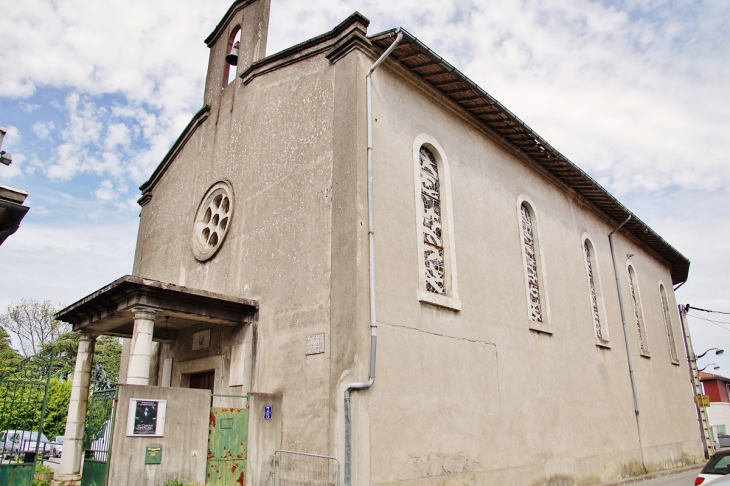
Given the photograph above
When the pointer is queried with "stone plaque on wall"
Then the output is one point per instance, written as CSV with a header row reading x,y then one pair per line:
x,y
167,372
201,339
315,344
238,360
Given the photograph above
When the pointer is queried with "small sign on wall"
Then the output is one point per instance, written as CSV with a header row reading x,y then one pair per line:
x,y
146,418
315,344
267,412
201,340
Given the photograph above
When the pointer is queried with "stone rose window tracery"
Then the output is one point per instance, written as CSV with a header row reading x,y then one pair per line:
x,y
212,220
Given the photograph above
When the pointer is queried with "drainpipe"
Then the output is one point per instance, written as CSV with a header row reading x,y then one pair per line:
x,y
626,338
371,238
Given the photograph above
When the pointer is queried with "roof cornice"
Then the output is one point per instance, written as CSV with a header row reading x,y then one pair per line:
x,y
431,68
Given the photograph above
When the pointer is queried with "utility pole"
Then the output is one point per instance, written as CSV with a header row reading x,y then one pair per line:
x,y
696,385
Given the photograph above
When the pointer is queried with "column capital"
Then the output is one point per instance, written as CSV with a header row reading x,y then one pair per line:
x,y
86,336
144,312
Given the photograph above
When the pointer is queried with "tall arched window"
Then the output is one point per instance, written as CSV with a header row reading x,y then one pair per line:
x,y
535,280
595,293
234,41
638,311
437,265
668,324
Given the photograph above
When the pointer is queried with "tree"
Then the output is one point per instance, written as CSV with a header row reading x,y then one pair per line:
x,y
8,356
108,352
31,324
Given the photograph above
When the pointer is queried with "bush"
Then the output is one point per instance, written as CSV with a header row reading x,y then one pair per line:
x,y
179,482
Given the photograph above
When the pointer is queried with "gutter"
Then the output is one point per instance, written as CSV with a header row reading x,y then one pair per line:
x,y
371,239
637,410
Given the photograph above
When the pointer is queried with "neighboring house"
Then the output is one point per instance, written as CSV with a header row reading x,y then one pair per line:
x,y
12,210
717,388
501,356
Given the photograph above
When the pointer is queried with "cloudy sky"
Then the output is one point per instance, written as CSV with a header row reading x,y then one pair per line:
x,y
635,92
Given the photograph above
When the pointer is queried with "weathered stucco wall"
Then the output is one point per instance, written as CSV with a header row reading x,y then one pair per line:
x,y
184,445
443,406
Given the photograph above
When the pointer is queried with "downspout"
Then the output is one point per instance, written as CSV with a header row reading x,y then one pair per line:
x,y
371,239
626,338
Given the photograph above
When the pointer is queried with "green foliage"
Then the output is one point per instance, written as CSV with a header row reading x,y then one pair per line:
x,y
43,468
108,352
179,482
59,393
31,325
8,356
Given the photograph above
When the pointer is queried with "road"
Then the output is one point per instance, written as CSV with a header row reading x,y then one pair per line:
x,y
682,479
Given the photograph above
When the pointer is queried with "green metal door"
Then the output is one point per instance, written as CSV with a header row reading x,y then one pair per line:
x,y
98,439
227,444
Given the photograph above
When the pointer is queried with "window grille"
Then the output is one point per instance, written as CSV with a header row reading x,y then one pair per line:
x,y
638,311
531,257
668,324
433,253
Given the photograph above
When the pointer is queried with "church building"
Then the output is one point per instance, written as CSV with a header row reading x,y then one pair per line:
x,y
356,267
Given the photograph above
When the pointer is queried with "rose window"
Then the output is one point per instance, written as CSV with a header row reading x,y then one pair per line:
x,y
212,220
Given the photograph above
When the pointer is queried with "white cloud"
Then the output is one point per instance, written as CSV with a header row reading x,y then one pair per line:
x,y
28,107
43,130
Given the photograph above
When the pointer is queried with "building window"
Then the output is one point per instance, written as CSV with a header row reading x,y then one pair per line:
x,y
638,311
668,324
535,280
594,292
437,262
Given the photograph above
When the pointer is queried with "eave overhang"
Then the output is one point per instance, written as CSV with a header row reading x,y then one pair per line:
x,y
110,310
11,214
420,60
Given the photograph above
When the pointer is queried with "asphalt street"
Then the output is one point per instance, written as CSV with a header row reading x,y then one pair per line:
x,y
682,479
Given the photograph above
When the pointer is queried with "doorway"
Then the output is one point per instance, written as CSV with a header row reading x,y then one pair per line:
x,y
203,381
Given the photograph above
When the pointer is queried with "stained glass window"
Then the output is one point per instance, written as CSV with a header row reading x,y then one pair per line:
x,y
433,253
531,265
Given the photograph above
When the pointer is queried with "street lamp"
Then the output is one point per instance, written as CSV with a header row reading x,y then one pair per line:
x,y
718,352
716,367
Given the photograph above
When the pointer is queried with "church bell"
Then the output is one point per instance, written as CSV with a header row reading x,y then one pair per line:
x,y
232,57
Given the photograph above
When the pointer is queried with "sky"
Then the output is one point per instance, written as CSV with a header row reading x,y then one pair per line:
x,y
634,92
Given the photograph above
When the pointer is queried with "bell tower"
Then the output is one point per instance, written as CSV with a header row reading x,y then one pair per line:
x,y
246,24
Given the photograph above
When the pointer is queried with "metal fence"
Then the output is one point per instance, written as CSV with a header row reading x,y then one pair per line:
x,y
300,469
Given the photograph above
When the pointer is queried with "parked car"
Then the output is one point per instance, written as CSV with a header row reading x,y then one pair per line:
x,y
57,446
717,467
99,450
21,442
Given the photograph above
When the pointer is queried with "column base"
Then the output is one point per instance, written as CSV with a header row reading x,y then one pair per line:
x,y
66,480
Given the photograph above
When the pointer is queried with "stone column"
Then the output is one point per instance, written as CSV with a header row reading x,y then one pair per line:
x,y
69,472
140,349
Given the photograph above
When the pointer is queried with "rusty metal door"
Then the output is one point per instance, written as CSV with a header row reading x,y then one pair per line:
x,y
227,446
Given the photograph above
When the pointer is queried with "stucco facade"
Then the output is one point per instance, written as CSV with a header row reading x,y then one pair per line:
x,y
470,388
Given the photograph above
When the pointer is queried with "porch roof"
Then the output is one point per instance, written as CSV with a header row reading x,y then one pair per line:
x,y
109,309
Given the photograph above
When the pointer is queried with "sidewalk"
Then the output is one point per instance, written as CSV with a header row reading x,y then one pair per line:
x,y
654,475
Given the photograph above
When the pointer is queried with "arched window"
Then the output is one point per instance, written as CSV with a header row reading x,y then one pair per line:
x,y
437,266
234,41
535,280
595,293
668,324
638,311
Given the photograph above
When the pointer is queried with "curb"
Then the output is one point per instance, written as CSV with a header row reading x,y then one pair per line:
x,y
654,475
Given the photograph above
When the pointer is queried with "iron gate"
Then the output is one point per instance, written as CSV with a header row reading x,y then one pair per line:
x,y
23,400
299,469
98,438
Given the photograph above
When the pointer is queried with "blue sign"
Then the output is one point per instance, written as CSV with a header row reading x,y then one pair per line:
x,y
267,412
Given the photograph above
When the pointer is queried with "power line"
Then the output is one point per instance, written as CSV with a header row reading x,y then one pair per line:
x,y
717,323
705,310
